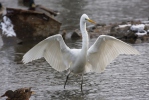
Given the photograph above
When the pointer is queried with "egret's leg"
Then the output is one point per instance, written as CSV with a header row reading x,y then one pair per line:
x,y
66,80
82,83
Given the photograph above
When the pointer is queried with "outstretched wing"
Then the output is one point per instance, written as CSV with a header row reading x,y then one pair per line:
x,y
104,50
54,50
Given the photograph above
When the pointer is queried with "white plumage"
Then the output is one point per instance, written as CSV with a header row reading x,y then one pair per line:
x,y
105,50
96,58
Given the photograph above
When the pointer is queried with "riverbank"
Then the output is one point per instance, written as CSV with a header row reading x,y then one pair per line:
x,y
135,31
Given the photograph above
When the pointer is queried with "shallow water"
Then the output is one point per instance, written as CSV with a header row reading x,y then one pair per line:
x,y
126,78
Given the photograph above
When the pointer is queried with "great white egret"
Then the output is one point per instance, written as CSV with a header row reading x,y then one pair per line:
x,y
79,61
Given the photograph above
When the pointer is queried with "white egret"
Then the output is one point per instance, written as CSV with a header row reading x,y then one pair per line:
x,y
79,61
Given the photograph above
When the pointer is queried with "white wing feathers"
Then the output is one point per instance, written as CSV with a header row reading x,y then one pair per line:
x,y
52,49
104,50
60,56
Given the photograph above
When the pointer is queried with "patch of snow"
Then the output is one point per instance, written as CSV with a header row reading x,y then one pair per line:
x,y
123,26
7,27
139,27
141,33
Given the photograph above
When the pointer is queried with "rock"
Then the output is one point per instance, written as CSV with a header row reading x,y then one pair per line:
x,y
99,29
138,41
76,34
146,27
119,30
129,31
29,25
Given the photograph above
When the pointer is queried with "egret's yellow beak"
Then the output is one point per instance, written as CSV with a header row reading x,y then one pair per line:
x,y
91,21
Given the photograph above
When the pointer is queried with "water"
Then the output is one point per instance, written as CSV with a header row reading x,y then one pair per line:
x,y
103,11
126,78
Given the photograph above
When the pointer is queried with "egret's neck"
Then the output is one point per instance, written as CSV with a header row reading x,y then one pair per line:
x,y
85,39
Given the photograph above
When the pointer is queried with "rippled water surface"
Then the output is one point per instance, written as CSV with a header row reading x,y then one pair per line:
x,y
103,11
126,78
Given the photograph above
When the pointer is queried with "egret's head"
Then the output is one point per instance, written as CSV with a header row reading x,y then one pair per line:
x,y
85,18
